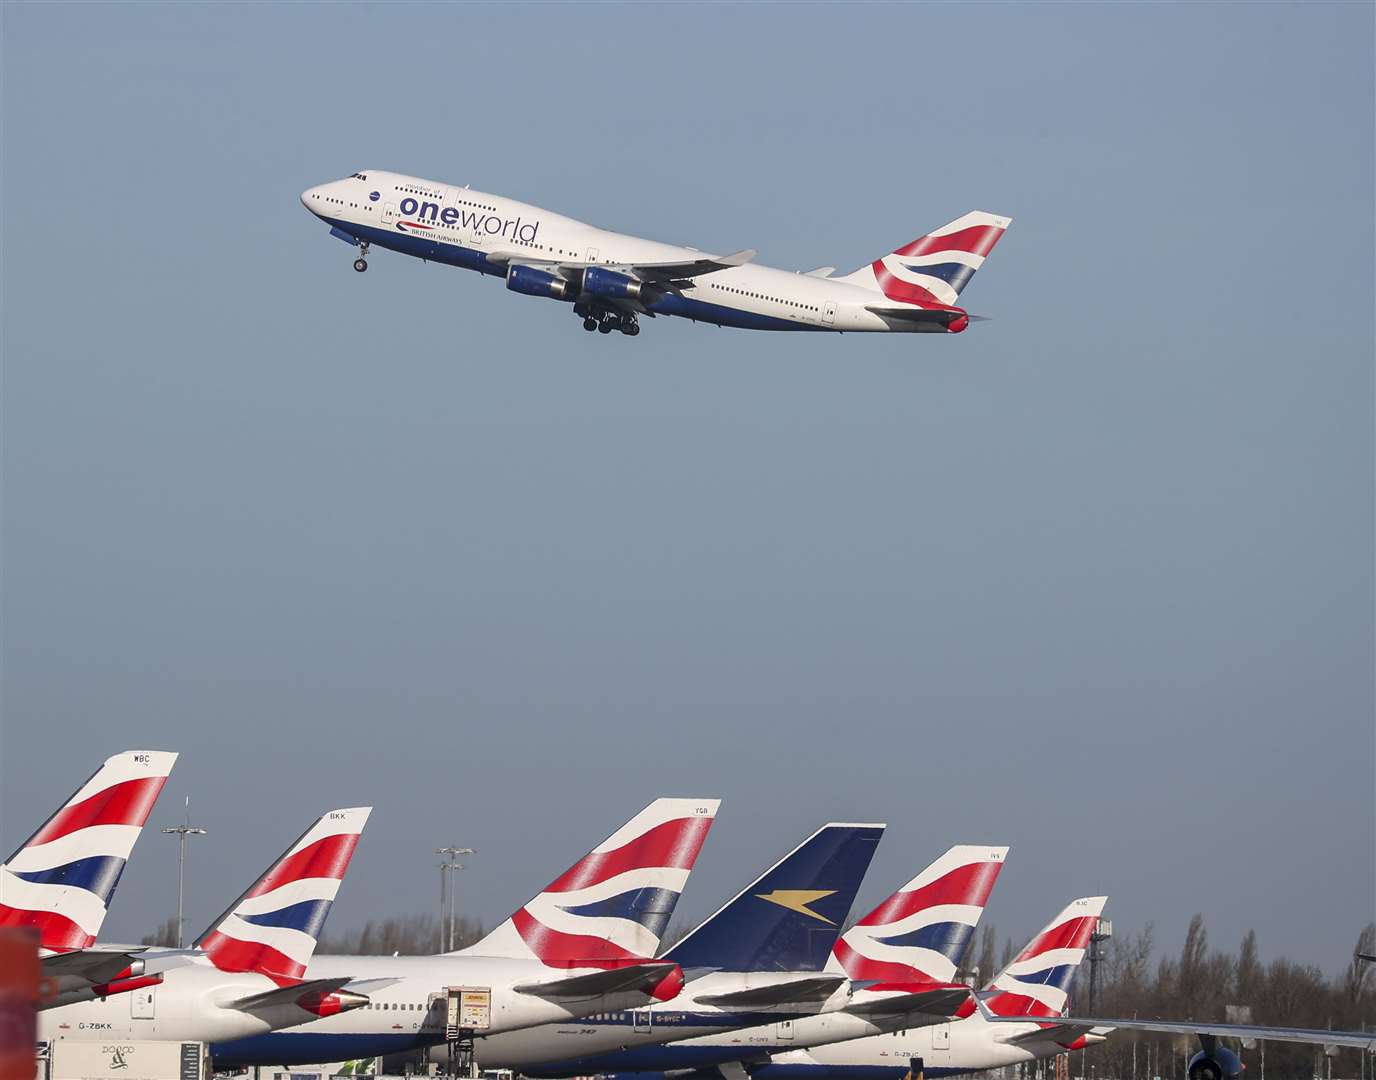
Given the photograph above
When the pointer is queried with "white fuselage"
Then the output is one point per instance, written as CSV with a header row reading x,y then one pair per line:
x,y
636,1039
485,232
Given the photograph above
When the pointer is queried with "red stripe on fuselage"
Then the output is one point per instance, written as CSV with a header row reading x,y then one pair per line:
x,y
673,844
126,803
970,884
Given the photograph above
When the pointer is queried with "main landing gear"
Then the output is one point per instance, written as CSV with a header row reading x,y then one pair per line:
x,y
361,263
605,321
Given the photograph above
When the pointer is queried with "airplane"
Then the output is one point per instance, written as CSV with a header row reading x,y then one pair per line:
x,y
611,279
62,878
901,961
585,943
1032,991
758,959
247,973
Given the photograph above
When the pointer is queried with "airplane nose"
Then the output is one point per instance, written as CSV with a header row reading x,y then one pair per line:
x,y
307,197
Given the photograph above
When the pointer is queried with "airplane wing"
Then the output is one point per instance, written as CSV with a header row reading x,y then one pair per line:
x,y
940,1004
1079,1025
598,983
647,271
818,988
821,271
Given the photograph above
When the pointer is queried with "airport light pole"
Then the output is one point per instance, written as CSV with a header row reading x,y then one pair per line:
x,y
182,832
447,890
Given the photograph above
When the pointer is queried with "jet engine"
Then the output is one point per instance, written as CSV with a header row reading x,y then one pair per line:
x,y
610,285
1214,1062
533,282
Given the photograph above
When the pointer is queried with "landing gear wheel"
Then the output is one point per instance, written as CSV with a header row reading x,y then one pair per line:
x,y
360,265
605,326
630,329
590,324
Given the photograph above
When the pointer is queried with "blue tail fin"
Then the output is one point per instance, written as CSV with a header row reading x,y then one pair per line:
x,y
789,917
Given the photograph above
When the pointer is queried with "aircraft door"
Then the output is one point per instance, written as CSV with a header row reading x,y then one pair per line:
x,y
829,313
389,213
592,255
941,1037
641,1019
783,1031
142,1003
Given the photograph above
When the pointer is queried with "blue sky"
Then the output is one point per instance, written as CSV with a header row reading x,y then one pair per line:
x,y
1093,579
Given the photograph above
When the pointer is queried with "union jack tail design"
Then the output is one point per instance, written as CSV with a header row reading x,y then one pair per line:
x,y
920,932
61,879
932,270
272,929
1037,983
613,905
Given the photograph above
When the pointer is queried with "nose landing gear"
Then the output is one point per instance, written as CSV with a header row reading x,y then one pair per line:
x,y
361,263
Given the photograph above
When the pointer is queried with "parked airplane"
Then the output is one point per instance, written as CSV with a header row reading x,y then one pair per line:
x,y
1033,990
611,279
62,878
901,959
757,960
584,944
247,973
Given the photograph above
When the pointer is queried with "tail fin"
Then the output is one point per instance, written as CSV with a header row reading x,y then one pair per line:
x,y
788,918
919,933
614,904
272,929
1037,983
61,879
933,269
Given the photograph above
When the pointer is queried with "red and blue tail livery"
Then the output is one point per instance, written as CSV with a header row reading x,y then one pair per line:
x,y
1037,982
613,905
932,270
919,933
273,928
61,879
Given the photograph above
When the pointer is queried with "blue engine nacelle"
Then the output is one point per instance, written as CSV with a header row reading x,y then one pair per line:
x,y
609,285
1219,1063
532,282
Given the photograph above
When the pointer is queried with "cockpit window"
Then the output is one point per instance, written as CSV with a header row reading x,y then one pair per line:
x,y
358,176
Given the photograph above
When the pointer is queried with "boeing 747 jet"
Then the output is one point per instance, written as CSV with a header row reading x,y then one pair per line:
x,y
611,279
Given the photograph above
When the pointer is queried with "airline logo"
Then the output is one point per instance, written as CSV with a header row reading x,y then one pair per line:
x,y
476,221
272,929
798,900
933,269
61,879
613,905
920,932
1037,983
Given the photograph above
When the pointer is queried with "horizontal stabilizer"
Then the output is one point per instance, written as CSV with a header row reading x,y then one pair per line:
x,y
940,1003
598,983
816,988
939,318
99,963
289,994
1057,1033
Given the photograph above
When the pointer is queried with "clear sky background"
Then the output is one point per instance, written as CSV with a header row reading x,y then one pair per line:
x,y
1094,579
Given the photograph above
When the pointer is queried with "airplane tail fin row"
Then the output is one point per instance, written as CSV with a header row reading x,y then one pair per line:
x,y
919,934
273,928
613,905
1037,982
61,879
932,270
